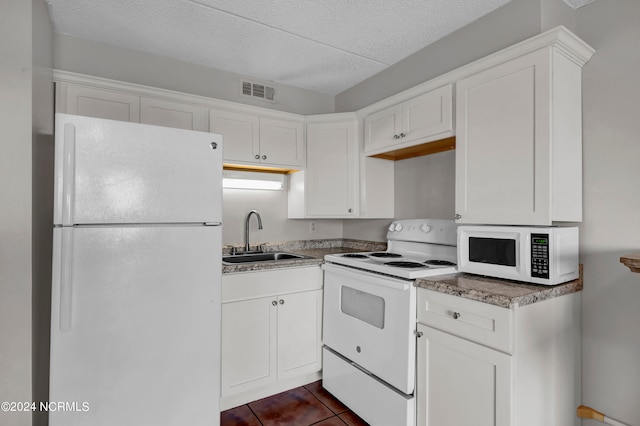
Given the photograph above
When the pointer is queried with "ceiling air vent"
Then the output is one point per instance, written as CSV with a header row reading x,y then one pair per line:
x,y
259,91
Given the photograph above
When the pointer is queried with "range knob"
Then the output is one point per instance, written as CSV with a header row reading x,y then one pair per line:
x,y
392,227
398,227
425,228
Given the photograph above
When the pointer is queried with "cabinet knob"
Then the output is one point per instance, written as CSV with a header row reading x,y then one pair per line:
x,y
264,157
402,135
419,334
282,301
274,303
257,156
456,315
457,216
396,137
214,145
350,210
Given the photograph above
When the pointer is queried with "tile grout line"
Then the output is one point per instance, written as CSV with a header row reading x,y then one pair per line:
x,y
254,414
336,415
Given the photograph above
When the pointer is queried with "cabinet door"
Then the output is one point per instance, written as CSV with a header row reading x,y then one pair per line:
x,y
428,117
502,148
248,344
461,383
281,143
330,181
174,114
100,103
382,129
240,135
299,333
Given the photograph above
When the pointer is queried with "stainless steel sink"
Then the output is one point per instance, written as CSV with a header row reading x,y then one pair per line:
x,y
261,257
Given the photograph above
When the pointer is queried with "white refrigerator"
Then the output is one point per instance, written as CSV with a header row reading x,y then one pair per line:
x,y
135,305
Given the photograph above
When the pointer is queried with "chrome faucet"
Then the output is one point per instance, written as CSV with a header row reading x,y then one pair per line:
x,y
246,228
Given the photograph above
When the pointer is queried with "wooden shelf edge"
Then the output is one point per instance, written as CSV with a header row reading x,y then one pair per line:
x,y
419,150
632,261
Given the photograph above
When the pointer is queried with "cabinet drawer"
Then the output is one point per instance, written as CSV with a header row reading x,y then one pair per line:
x,y
271,282
480,322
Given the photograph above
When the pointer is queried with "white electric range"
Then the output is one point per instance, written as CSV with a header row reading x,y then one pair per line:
x,y
369,322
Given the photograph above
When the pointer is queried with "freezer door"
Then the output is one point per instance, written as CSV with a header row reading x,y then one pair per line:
x,y
135,326
116,172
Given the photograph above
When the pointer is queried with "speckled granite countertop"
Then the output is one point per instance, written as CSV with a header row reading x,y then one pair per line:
x,y
315,250
504,293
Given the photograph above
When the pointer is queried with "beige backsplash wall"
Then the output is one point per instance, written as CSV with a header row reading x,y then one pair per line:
x,y
272,206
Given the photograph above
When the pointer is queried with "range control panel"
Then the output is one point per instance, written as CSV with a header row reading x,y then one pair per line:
x,y
540,255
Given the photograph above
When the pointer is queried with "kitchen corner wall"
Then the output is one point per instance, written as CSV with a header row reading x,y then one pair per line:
x,y
611,150
424,188
26,116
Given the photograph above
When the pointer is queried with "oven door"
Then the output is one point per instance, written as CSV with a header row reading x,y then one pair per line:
x,y
371,320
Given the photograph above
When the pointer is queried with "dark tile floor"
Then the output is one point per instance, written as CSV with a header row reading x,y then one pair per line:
x,y
303,406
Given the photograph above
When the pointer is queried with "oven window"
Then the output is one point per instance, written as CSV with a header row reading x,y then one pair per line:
x,y
496,251
363,306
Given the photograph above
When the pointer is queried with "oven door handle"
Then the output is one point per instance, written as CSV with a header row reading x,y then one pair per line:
x,y
372,278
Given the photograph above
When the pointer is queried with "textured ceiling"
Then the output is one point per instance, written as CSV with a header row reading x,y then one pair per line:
x,y
322,45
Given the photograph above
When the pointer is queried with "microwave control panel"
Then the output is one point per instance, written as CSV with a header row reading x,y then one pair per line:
x,y
540,255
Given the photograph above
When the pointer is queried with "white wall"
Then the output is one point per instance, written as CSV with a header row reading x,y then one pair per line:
x,y
272,206
42,202
611,124
15,210
107,61
20,116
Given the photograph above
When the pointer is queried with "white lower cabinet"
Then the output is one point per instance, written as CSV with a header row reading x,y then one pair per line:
x,y
484,365
271,332
461,383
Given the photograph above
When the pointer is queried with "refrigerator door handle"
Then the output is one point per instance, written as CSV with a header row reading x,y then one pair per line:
x,y
66,279
212,223
69,173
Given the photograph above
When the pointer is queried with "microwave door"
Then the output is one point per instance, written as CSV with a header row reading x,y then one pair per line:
x,y
493,251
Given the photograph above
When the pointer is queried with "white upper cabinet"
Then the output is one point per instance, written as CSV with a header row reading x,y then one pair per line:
x,y
240,133
161,112
252,140
281,142
519,141
424,118
327,186
98,103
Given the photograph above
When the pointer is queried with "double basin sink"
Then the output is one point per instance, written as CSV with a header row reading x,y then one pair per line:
x,y
261,257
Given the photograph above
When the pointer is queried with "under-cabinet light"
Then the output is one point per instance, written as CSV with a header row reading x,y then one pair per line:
x,y
252,180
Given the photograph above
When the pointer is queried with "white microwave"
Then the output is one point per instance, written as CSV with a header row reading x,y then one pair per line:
x,y
536,255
